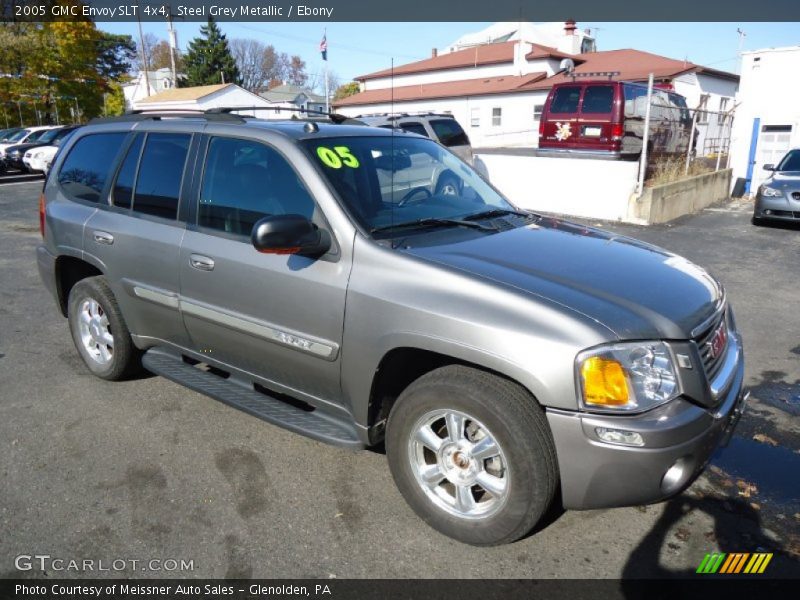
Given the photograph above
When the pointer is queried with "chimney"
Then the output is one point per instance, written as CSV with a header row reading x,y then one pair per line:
x,y
570,27
434,53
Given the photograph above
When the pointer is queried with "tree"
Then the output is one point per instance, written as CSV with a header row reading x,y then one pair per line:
x,y
159,57
149,41
259,65
296,72
348,89
116,55
208,59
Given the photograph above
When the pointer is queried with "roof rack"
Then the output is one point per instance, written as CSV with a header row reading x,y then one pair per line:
x,y
228,110
400,115
609,74
157,115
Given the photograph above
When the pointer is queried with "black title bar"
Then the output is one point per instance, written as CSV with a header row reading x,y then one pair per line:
x,y
401,10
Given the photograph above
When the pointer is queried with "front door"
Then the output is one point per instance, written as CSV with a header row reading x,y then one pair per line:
x,y
278,317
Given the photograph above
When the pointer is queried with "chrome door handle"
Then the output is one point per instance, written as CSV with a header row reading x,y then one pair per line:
x,y
103,237
202,263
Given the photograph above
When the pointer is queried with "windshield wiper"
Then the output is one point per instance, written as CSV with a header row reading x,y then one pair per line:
x,y
497,212
432,222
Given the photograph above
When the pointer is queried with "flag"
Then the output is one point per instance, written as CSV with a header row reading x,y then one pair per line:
x,y
323,46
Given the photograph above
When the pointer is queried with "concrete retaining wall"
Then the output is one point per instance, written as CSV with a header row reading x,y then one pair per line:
x,y
669,201
594,188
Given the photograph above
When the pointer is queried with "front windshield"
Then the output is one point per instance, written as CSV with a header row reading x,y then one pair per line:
x,y
36,135
388,181
48,135
790,162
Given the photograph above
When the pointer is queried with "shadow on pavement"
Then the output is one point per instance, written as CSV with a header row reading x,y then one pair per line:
x,y
737,527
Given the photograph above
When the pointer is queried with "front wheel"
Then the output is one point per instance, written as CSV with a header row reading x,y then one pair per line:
x,y
472,455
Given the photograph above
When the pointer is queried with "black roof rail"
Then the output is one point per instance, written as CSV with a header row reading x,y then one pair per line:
x,y
157,115
228,110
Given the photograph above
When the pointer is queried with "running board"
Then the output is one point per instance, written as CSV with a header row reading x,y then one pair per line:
x,y
315,425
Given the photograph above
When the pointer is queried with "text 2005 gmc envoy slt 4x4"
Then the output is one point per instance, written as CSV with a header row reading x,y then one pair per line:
x,y
319,275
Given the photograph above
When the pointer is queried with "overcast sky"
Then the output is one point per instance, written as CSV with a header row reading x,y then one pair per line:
x,y
359,48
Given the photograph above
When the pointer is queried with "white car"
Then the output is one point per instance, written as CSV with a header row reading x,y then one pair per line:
x,y
38,158
29,134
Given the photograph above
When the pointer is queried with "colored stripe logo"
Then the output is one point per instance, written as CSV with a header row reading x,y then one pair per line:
x,y
734,563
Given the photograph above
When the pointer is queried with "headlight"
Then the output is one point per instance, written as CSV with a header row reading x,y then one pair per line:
x,y
626,377
769,192
15,153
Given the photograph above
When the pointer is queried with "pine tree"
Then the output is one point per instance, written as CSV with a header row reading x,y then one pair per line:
x,y
209,59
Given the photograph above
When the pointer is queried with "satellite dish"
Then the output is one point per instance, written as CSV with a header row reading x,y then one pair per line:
x,y
567,65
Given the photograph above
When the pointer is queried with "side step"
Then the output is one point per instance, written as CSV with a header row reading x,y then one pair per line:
x,y
311,424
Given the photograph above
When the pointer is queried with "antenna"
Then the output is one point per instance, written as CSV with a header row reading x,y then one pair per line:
x,y
391,129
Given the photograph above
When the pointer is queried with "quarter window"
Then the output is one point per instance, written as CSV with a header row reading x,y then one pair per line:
x,y
414,128
160,173
86,168
449,132
244,181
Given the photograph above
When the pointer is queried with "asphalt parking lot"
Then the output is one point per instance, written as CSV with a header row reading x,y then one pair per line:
x,y
145,469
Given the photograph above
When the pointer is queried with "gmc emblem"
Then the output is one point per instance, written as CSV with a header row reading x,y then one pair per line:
x,y
719,339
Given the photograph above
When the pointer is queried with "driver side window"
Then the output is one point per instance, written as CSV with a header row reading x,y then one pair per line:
x,y
245,180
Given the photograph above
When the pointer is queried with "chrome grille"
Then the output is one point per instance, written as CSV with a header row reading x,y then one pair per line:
x,y
711,364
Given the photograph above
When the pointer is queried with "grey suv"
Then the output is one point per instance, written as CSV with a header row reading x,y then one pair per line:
x,y
308,274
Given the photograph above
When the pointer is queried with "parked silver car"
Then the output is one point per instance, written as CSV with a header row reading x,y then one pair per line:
x,y
778,197
287,269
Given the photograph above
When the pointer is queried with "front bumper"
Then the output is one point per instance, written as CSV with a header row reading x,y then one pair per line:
x,y
785,207
679,439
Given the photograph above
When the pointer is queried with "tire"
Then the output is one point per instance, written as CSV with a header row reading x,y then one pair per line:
x,y
93,312
522,468
448,185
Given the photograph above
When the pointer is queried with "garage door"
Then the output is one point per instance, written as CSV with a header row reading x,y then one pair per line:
x,y
773,142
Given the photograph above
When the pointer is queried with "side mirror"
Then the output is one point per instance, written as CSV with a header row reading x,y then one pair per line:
x,y
769,167
289,234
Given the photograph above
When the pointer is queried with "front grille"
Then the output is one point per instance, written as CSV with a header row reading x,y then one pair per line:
x,y
712,365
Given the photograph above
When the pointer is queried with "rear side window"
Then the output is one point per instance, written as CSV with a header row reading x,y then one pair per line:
x,y
414,128
565,99
598,99
449,132
158,183
86,168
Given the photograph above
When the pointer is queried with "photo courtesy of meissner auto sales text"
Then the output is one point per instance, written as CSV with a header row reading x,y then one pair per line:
x,y
399,300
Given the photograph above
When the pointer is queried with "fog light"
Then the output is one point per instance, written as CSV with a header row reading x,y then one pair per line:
x,y
618,436
768,212
676,475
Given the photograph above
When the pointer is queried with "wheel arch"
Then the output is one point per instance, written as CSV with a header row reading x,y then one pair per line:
x,y
69,271
403,364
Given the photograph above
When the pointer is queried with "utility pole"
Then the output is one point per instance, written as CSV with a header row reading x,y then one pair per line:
x,y
742,35
144,53
173,45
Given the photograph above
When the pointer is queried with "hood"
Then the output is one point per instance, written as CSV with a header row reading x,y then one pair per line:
x,y
784,180
637,290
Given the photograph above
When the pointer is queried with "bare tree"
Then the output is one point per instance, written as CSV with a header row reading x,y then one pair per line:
x,y
296,73
316,82
259,64
150,42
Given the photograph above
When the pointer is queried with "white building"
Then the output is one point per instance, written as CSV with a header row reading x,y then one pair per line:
x,y
137,89
497,90
767,120
294,96
204,97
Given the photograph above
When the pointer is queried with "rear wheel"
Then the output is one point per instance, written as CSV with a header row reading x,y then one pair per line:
x,y
99,331
472,455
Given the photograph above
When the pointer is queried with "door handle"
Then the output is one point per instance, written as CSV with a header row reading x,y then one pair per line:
x,y
202,263
103,237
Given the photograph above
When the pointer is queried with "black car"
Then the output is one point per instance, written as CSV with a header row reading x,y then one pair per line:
x,y
14,154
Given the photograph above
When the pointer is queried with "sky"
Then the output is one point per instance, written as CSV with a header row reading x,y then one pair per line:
x,y
360,48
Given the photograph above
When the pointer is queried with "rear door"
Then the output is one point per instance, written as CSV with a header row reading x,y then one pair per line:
x,y
137,235
561,119
594,128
